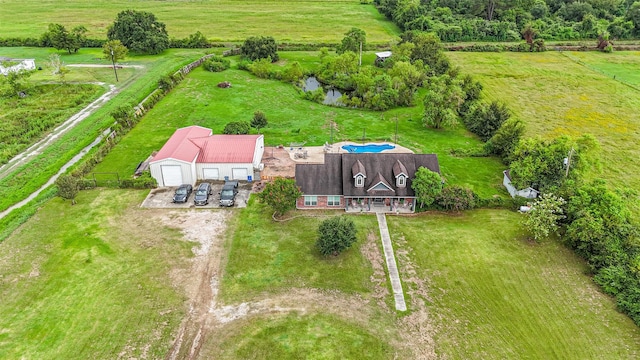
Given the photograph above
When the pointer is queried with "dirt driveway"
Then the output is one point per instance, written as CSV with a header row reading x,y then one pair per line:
x,y
161,198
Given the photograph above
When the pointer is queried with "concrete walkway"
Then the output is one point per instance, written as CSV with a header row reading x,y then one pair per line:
x,y
394,277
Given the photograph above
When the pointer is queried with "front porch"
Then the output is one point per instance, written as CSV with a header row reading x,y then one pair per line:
x,y
380,204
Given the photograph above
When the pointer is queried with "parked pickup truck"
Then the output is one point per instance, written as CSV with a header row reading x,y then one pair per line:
x,y
228,193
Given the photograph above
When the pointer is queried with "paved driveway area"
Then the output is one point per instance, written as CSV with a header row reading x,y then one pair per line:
x,y
162,197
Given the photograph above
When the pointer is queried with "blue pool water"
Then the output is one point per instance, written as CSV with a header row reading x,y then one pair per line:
x,y
369,148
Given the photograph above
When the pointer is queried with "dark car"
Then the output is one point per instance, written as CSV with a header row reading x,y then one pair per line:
x,y
182,193
202,194
228,193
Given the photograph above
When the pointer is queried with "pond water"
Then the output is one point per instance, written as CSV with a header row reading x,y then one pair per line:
x,y
369,148
332,96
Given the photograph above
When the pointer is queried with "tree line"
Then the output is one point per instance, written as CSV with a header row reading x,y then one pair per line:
x,y
504,20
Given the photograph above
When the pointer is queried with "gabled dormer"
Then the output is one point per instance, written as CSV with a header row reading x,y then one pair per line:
x,y
400,173
379,183
359,174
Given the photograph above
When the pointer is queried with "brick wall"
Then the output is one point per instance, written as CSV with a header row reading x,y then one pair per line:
x,y
322,203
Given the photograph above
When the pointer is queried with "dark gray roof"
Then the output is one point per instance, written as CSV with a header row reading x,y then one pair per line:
x,y
358,168
399,168
335,177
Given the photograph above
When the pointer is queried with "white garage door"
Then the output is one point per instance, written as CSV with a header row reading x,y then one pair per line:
x,y
211,173
239,174
171,175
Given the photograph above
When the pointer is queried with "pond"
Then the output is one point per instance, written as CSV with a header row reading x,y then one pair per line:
x,y
332,96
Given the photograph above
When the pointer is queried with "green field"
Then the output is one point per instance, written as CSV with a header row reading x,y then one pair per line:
x,y
197,101
555,95
134,86
90,281
496,296
226,20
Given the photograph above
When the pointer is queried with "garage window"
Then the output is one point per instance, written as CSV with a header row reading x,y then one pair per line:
x,y
333,200
310,201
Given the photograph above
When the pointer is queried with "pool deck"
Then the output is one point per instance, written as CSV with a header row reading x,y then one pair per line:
x,y
315,154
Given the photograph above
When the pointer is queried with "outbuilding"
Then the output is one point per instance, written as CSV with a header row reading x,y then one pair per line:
x,y
8,65
194,153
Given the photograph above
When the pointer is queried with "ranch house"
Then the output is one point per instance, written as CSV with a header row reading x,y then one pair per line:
x,y
362,182
193,153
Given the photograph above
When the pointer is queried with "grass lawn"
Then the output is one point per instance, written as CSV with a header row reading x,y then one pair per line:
x,y
497,296
90,281
226,20
134,86
197,101
555,95
283,255
302,337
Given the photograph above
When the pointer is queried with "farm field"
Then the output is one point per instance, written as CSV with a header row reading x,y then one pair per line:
x,y
197,101
555,95
226,20
134,85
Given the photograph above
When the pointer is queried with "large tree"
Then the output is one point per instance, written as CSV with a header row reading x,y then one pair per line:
x,y
139,31
428,49
59,37
280,195
441,102
427,185
260,47
353,41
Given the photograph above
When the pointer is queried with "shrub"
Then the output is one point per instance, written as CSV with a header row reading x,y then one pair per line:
x,y
236,128
456,198
216,64
260,47
67,187
261,68
485,119
336,235
259,120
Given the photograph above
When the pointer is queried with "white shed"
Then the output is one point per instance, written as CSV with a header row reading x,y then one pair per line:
x,y
8,65
528,193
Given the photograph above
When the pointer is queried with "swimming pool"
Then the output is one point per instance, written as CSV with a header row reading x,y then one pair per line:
x,y
369,148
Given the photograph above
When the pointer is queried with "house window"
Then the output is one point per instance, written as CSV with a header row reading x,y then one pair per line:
x,y
400,182
333,200
311,201
359,181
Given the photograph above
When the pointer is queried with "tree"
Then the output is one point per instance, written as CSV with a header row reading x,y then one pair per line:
x,y
529,33
335,235
260,47
633,15
236,128
67,187
280,195
546,211
427,185
57,66
441,102
352,41
505,139
59,37
485,119
428,48
15,83
116,49
259,120
456,198
139,31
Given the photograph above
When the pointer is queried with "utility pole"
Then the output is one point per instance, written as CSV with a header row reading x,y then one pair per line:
x,y
364,134
396,140
114,64
360,61
569,162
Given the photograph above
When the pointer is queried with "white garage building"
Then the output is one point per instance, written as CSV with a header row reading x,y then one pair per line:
x,y
193,154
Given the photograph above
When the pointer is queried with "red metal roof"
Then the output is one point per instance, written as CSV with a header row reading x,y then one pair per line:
x,y
226,148
179,147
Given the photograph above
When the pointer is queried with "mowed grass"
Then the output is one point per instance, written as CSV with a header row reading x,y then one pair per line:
x,y
295,336
555,95
282,255
226,20
90,281
497,296
197,101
